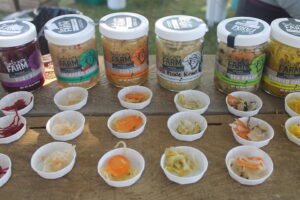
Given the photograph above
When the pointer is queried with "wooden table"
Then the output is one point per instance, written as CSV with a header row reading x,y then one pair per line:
x,y
83,182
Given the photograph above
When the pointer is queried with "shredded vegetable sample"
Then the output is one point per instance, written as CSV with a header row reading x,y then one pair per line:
x,y
118,168
127,124
178,162
249,130
14,127
249,167
72,99
57,160
63,127
135,97
241,104
18,105
3,171
189,103
294,104
188,127
295,130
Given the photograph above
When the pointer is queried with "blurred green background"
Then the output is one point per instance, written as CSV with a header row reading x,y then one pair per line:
x,y
151,9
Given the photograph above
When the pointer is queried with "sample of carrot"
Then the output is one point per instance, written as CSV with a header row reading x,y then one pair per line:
x,y
250,162
128,124
232,100
135,97
241,129
118,165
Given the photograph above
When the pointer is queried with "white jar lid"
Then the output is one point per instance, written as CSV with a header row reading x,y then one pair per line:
x,y
123,26
286,31
15,33
180,28
67,30
243,31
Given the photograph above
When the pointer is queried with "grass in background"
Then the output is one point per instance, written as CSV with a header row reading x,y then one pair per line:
x,y
152,10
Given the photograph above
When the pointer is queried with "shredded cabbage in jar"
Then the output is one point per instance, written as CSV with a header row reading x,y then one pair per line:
x,y
188,127
189,103
178,162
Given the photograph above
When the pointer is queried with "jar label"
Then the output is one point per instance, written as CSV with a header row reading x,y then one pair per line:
x,y
123,21
244,27
126,65
72,69
13,28
68,25
290,26
182,23
240,72
287,78
181,69
22,73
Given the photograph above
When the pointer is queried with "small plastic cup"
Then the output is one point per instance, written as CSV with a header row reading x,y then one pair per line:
x,y
46,150
135,88
11,98
137,162
248,151
175,119
290,111
70,116
5,162
196,175
288,123
255,121
125,113
5,121
193,94
249,97
71,92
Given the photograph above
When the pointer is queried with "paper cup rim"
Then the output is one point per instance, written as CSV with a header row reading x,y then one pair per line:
x,y
289,110
69,136
9,96
197,92
290,135
76,106
4,179
138,106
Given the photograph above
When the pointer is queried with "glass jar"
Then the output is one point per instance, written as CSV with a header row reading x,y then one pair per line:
x,y
282,73
179,44
125,48
21,66
241,54
72,45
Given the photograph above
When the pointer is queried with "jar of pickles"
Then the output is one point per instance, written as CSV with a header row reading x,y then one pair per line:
x,y
125,48
179,44
72,45
282,73
21,66
241,54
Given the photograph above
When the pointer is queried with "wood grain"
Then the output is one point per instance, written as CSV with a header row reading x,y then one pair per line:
x,y
83,182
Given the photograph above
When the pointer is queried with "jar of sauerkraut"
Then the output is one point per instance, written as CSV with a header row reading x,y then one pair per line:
x,y
241,54
21,66
125,48
179,45
72,45
282,73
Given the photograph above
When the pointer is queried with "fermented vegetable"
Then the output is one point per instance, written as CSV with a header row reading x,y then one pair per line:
x,y
127,124
282,74
179,45
249,167
188,127
294,104
135,97
241,104
178,162
241,54
189,103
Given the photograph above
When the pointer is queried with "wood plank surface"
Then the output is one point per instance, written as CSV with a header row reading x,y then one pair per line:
x,y
103,97
84,183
